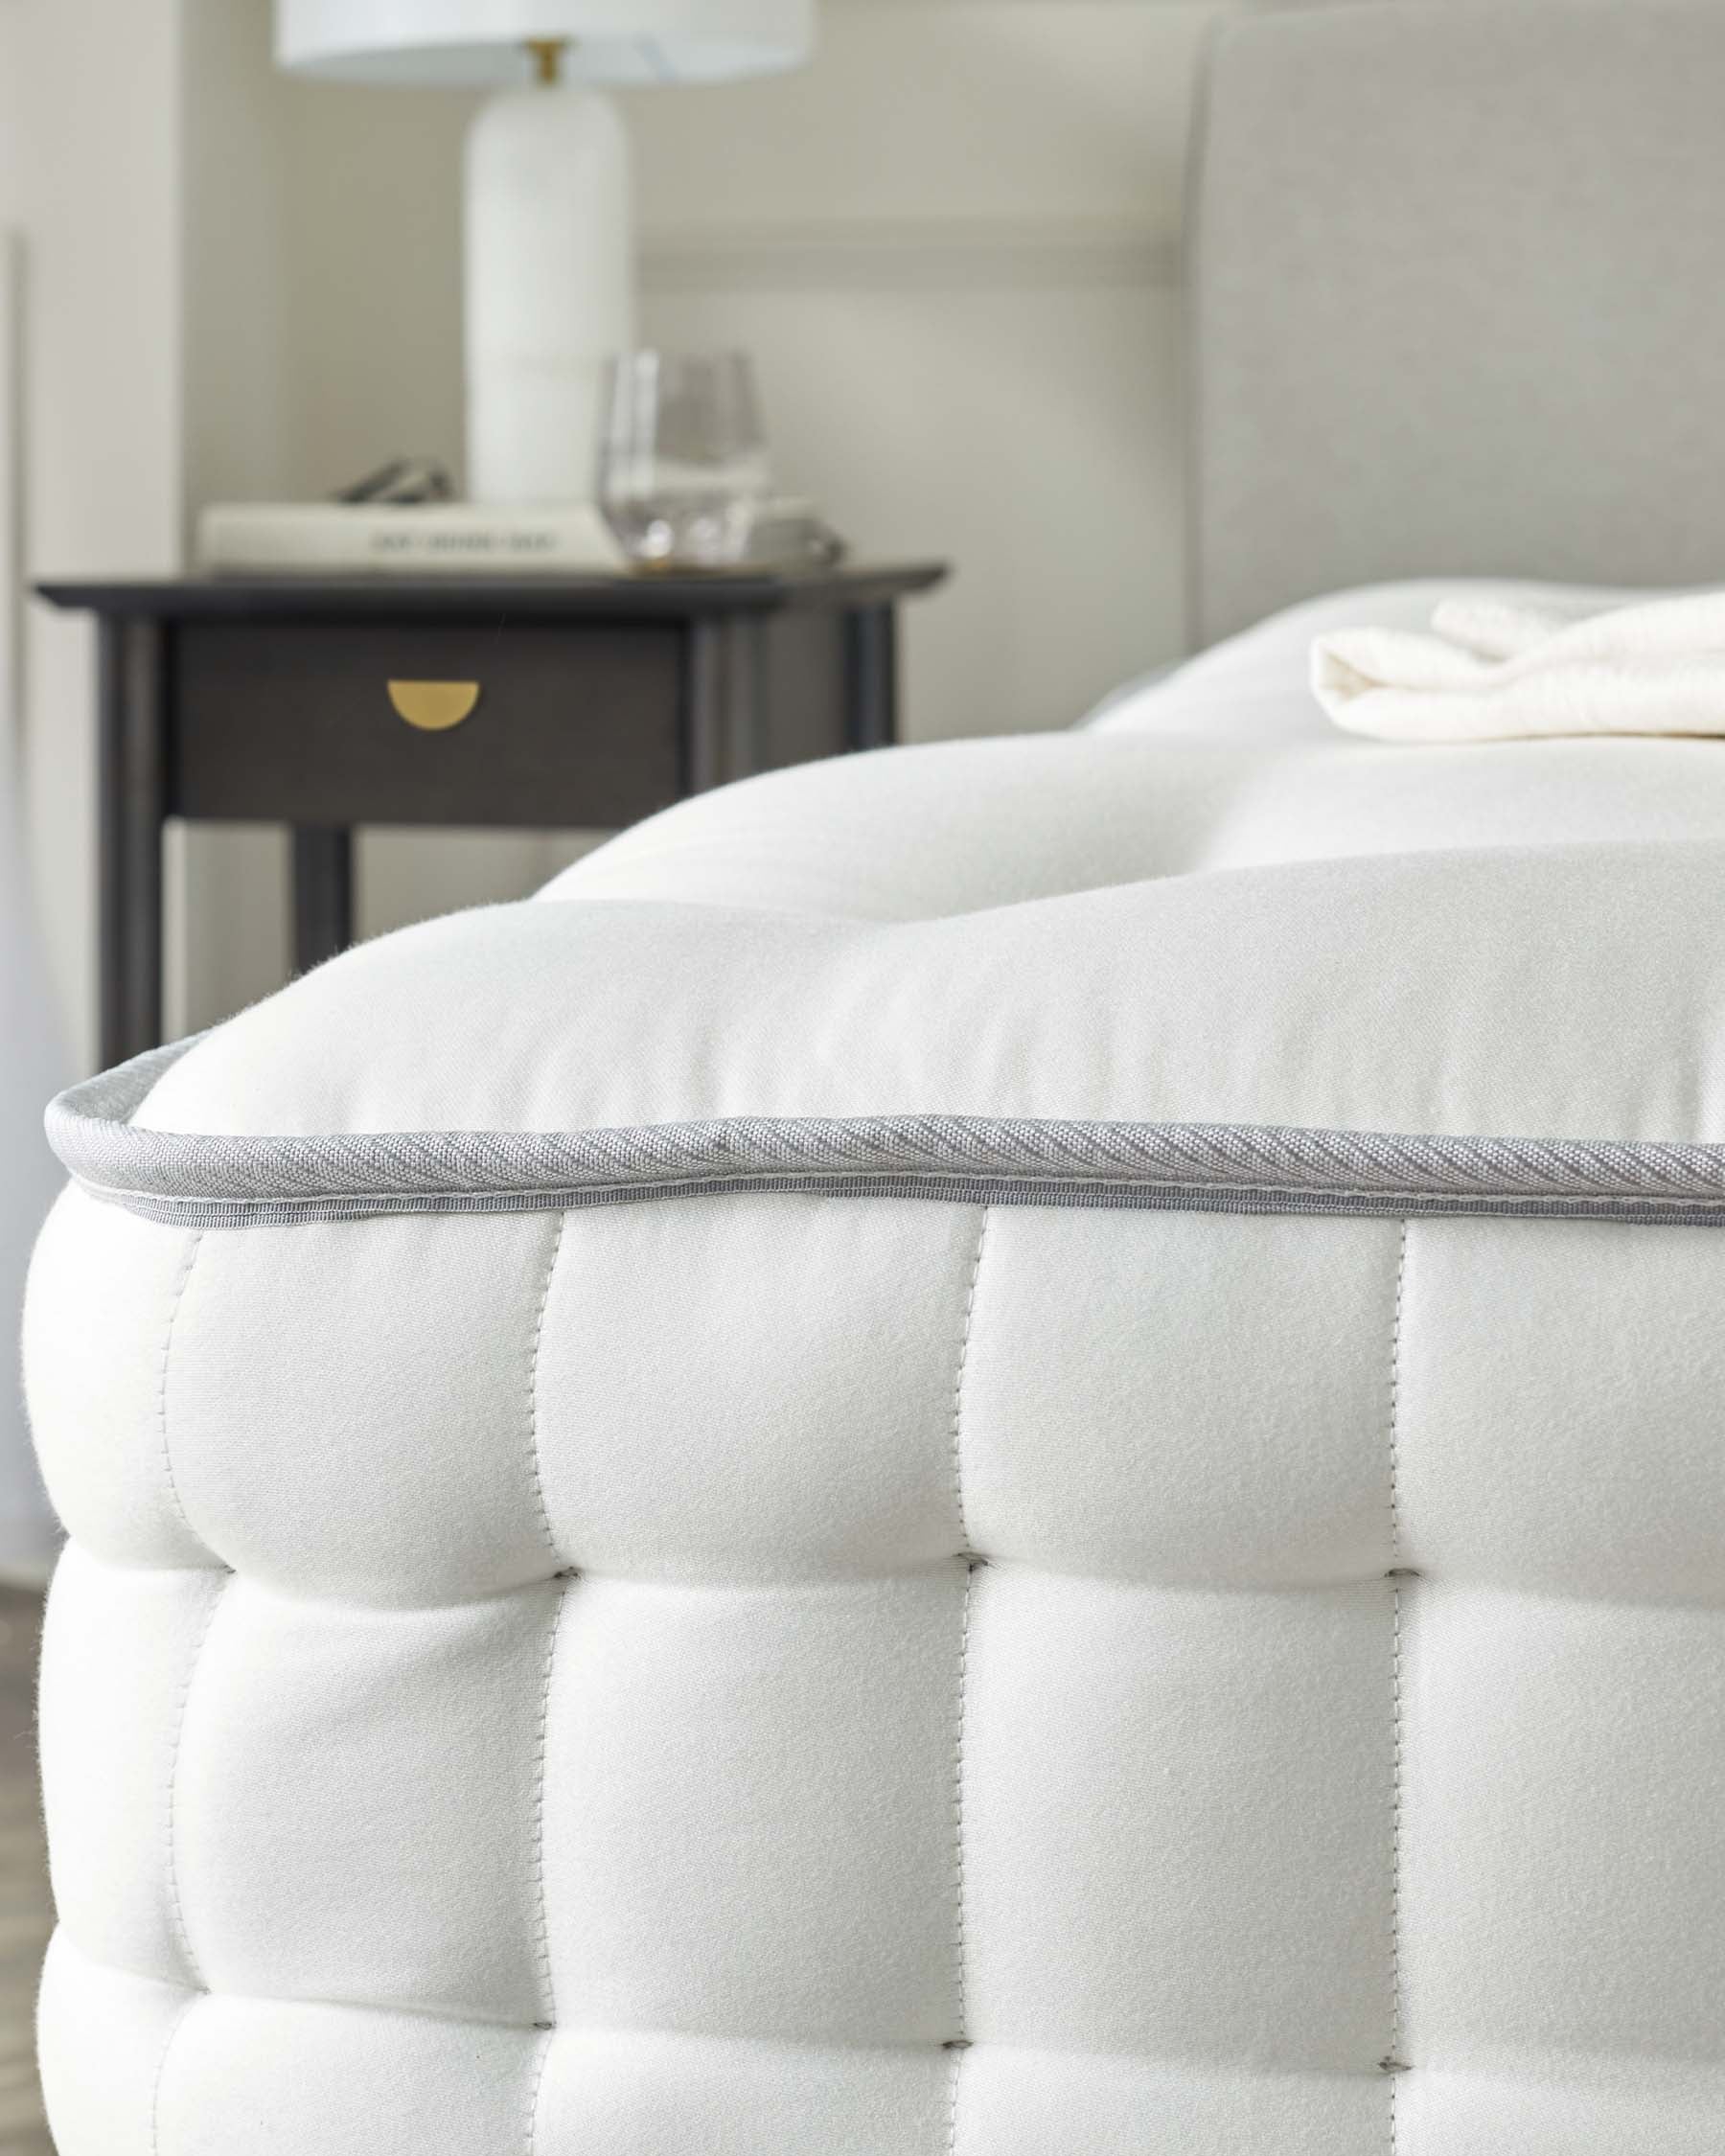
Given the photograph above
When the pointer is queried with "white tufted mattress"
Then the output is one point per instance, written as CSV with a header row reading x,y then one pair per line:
x,y
1002,1450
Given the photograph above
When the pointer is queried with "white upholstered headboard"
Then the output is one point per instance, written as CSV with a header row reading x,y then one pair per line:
x,y
1458,299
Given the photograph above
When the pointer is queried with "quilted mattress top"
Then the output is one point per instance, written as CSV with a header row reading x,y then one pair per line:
x,y
1206,912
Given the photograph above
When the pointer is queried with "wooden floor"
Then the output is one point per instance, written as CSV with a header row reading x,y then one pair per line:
x,y
25,1917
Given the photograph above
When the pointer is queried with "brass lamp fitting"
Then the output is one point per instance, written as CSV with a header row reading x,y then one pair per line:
x,y
547,60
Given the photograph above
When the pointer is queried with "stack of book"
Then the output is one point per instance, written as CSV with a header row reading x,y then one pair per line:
x,y
413,540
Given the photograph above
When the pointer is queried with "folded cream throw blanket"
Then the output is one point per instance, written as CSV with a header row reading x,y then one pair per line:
x,y
1495,672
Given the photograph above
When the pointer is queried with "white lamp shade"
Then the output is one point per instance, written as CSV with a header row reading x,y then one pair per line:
x,y
484,42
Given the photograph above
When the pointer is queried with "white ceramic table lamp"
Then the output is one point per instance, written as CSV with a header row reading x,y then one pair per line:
x,y
550,283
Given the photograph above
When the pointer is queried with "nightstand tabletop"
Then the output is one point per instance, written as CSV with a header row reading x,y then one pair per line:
x,y
641,594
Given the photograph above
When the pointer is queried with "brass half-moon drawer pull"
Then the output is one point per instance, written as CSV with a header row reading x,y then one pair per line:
x,y
434,706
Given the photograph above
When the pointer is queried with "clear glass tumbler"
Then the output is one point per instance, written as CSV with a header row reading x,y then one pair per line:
x,y
682,457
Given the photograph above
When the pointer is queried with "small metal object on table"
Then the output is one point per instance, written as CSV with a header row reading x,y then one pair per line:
x,y
526,705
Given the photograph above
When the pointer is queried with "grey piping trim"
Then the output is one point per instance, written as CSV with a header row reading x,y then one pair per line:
x,y
211,1182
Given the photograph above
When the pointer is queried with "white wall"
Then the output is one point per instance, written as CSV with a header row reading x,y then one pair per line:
x,y
959,230
226,925
89,177
951,245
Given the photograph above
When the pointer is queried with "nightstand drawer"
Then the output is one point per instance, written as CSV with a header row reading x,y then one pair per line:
x,y
450,724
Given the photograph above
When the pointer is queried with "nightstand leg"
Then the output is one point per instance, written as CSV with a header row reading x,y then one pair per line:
x,y
724,684
132,787
323,893
871,676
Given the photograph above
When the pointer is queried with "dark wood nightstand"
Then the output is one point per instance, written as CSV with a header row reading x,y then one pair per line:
x,y
523,705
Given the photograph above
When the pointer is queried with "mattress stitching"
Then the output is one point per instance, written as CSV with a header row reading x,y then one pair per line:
x,y
176,1297
1393,2063
968,1558
176,1908
561,1581
544,1975
174,2026
535,2086
541,1908
535,1465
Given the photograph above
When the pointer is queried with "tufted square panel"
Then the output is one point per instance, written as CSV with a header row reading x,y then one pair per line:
x,y
803,1428
1554,2106
408,1475
639,2095
1560,1827
1589,1401
360,1746
1018,2102
1184,1400
690,1729
1129,1892
120,1645
104,2034
104,1292
282,2075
